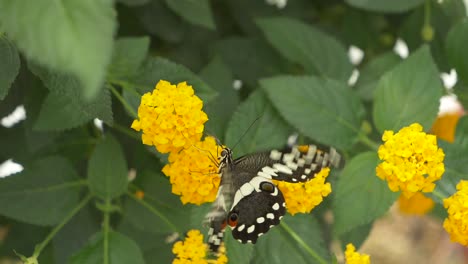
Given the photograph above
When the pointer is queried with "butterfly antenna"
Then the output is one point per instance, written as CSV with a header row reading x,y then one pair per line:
x,y
247,130
210,156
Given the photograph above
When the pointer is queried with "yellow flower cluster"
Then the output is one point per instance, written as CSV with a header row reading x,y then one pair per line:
x,y
193,251
456,223
411,160
305,196
193,173
418,204
353,257
171,117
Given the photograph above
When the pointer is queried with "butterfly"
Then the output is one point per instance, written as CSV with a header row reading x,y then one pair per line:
x,y
248,201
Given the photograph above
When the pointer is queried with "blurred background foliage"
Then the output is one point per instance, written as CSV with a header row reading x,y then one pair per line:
x,y
77,68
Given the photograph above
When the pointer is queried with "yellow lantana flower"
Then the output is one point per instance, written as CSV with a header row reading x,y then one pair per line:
x,y
193,250
171,117
305,196
193,172
411,160
456,223
418,204
353,257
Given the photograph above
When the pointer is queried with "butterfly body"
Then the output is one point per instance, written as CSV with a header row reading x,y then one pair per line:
x,y
247,199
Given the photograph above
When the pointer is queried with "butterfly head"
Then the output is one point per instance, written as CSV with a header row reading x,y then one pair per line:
x,y
225,158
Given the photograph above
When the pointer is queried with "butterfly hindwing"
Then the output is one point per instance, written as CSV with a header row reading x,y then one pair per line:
x,y
257,212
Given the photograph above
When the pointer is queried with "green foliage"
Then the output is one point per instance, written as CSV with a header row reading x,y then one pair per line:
x,y
263,73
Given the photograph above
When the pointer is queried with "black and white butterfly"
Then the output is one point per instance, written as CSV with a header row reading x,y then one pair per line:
x,y
248,201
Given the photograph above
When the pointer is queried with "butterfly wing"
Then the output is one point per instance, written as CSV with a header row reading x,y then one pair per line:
x,y
257,212
296,164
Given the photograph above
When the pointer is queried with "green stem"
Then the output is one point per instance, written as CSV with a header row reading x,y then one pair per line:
x,y
427,13
154,211
54,231
368,142
302,243
439,195
105,227
126,131
123,101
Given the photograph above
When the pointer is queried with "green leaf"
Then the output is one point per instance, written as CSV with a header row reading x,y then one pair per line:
x,y
42,194
160,211
456,49
371,73
133,2
65,107
107,169
9,65
155,69
257,59
360,196
322,109
237,252
122,250
455,161
405,96
74,36
317,52
357,236
255,126
220,110
129,54
196,12
385,6
278,245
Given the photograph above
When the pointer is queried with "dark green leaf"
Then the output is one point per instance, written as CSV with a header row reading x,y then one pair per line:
x,y
456,49
21,237
255,126
160,211
360,196
278,245
155,69
371,73
237,252
122,250
394,6
219,110
356,236
317,52
129,54
9,65
405,96
133,2
312,104
74,36
196,12
107,169
64,106
49,184
74,235
257,59
455,161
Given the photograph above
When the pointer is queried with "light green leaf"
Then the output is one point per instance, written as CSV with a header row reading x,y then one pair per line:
x,y
9,65
129,53
356,236
47,185
278,246
317,52
371,73
74,36
322,109
156,69
107,169
197,12
122,250
405,95
360,196
456,49
256,126
385,6
237,252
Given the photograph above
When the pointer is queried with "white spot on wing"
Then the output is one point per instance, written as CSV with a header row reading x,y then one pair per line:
x,y
240,228
251,229
282,168
260,220
303,177
275,155
276,206
288,157
260,234
307,171
270,216
246,189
